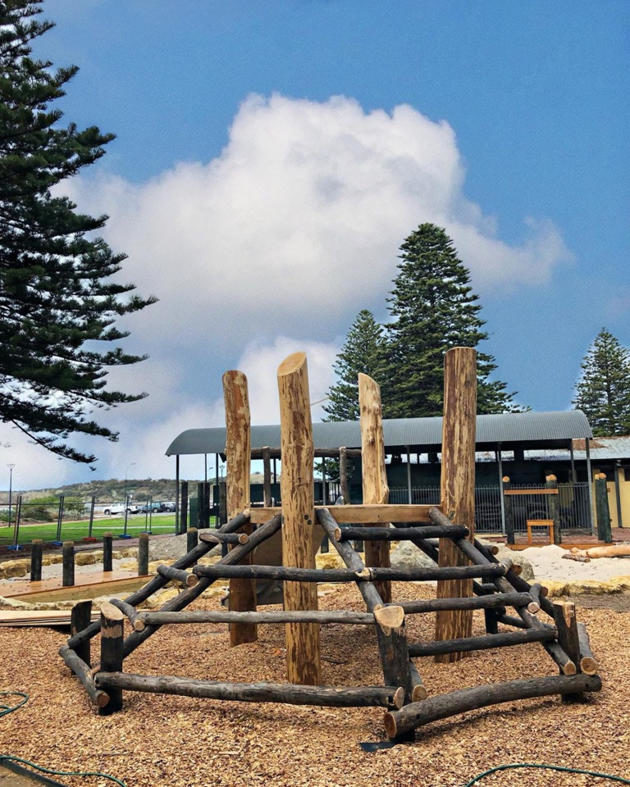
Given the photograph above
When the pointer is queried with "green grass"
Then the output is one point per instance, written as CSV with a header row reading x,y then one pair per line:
x,y
75,531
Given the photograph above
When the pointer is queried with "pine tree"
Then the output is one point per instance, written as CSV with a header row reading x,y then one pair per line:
x,y
603,391
433,308
56,296
361,352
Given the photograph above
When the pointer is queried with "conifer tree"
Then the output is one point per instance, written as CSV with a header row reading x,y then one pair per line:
x,y
57,300
603,391
361,352
433,308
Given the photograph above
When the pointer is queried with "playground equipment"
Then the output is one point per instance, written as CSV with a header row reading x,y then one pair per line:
x,y
468,575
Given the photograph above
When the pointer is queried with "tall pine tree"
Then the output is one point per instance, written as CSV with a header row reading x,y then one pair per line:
x,y
603,391
57,300
433,308
363,351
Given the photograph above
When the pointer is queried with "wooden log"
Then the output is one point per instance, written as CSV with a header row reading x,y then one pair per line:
x,y
373,473
192,538
490,617
392,643
588,663
67,556
237,451
311,575
418,691
399,533
108,548
83,672
143,554
296,483
158,582
481,642
131,613
177,575
112,638
37,547
361,514
457,496
224,538
511,620
414,715
136,638
274,616
356,696
512,599
80,618
568,637
266,457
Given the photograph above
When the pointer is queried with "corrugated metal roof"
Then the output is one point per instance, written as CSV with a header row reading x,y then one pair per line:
x,y
523,430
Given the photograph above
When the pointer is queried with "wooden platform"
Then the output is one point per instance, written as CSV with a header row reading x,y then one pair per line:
x,y
37,617
102,583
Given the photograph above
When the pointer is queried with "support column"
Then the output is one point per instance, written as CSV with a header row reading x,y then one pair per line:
x,y
238,456
266,454
589,478
457,485
298,515
374,477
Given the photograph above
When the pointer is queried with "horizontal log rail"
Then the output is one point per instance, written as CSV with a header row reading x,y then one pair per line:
x,y
476,602
177,575
482,642
367,574
351,533
275,616
130,612
398,723
353,697
360,514
224,538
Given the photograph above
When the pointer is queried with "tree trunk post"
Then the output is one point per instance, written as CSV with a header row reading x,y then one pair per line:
x,y
192,538
80,618
266,455
374,475
36,560
602,510
143,554
183,512
568,637
298,512
551,482
67,556
457,485
108,547
238,452
112,641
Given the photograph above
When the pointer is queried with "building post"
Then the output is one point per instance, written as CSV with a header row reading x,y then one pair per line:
x,y
604,532
551,482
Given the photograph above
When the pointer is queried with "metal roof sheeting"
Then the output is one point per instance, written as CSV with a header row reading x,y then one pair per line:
x,y
509,430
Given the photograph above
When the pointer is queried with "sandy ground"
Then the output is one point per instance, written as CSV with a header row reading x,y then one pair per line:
x,y
548,563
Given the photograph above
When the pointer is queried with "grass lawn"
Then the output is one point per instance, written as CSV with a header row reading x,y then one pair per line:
x,y
75,531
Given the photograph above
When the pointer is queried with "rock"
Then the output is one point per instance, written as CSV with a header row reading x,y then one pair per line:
x,y
517,558
173,547
407,555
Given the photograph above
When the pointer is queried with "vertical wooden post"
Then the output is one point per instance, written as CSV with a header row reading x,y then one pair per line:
x,y
36,559
568,637
602,510
551,482
238,457
192,538
80,618
457,485
223,516
112,642
298,515
183,516
107,551
374,475
266,476
67,556
143,554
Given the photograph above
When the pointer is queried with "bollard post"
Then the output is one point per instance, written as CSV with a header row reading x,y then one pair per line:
x,y
143,554
36,560
16,527
191,538
58,541
68,564
112,639
80,618
107,551
91,524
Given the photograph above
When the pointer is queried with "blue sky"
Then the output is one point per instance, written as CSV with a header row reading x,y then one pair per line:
x,y
234,171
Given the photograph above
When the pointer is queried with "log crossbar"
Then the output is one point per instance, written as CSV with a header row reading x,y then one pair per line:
x,y
350,533
276,616
376,513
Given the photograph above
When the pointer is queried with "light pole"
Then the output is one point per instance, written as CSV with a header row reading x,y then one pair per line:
x,y
10,490
131,464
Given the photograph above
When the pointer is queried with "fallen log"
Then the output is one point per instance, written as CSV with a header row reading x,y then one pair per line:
x,y
83,672
481,642
295,694
414,715
614,550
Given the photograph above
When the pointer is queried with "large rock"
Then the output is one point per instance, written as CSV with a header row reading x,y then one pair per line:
x,y
504,553
407,555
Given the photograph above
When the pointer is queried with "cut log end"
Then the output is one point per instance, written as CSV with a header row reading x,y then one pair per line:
x,y
102,699
139,624
292,363
569,668
191,580
419,693
111,612
533,608
398,700
337,534
390,726
391,617
243,538
588,665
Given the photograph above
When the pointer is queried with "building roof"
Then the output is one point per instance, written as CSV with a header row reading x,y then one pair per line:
x,y
508,430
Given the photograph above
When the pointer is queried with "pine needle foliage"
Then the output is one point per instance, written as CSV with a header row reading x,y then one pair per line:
x,y
58,302
603,390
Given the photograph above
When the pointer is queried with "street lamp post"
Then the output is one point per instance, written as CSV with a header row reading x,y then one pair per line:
x,y
10,490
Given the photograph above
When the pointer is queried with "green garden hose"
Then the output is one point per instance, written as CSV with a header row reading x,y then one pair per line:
x,y
608,776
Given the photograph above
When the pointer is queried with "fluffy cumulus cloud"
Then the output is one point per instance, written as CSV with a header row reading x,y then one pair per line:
x,y
290,231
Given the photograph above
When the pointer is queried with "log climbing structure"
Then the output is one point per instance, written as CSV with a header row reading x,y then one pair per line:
x,y
469,576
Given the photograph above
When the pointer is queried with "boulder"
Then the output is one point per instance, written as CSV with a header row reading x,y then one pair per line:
x,y
407,555
517,558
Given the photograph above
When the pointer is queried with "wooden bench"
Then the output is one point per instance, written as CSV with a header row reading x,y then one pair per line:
x,y
548,523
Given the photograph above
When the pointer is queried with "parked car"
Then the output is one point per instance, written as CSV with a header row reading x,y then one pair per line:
x,y
118,509
168,506
151,508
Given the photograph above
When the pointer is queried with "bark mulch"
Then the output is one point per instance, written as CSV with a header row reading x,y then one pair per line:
x,y
182,741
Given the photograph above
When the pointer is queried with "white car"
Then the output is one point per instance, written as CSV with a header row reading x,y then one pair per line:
x,y
118,509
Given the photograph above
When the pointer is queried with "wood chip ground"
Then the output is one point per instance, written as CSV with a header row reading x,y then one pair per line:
x,y
180,741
